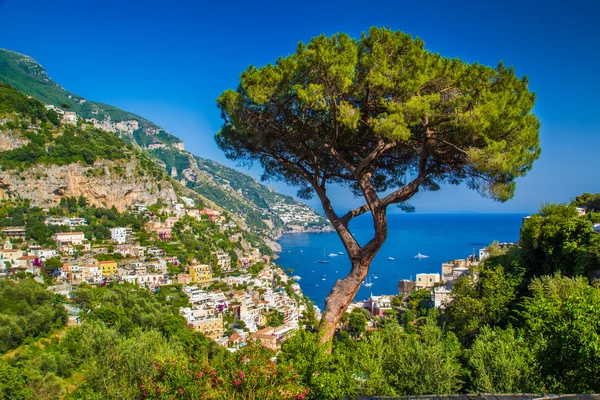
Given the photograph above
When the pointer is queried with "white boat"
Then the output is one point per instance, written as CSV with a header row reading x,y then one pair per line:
x,y
375,276
323,261
296,277
421,256
368,282
340,253
324,279
391,258
333,255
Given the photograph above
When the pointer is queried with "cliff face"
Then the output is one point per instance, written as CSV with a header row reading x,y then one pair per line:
x,y
9,141
106,183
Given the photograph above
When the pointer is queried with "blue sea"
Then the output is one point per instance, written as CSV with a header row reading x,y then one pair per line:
x,y
442,237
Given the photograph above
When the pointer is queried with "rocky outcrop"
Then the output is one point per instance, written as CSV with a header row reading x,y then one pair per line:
x,y
9,141
106,184
126,127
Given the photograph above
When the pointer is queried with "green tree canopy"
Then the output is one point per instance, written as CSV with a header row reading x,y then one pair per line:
x,y
562,326
557,239
379,114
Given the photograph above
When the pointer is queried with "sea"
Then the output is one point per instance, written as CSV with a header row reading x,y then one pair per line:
x,y
442,237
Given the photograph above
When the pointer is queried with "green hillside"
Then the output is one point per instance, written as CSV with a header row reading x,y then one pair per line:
x,y
264,209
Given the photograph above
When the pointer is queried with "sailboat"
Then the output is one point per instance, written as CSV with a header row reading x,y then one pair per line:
x,y
368,282
421,256
324,260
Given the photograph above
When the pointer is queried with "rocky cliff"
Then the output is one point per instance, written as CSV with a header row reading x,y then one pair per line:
x,y
105,183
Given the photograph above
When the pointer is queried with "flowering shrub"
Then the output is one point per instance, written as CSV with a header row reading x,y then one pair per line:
x,y
251,373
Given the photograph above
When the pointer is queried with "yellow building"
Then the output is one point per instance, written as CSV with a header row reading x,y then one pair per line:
x,y
211,327
201,273
108,267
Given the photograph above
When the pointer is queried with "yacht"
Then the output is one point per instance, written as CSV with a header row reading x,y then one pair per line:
x,y
421,256
341,253
323,261
296,277
333,255
391,258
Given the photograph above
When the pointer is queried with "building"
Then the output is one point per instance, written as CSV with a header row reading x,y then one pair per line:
x,y
118,235
70,117
201,273
92,274
108,267
66,221
10,255
267,337
185,279
441,296
69,238
14,232
211,327
405,287
378,305
163,233
427,281
45,254
224,261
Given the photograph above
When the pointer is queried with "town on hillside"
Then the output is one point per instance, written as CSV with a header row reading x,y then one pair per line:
x,y
233,290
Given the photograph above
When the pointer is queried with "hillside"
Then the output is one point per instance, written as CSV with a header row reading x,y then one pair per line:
x,y
264,209
44,160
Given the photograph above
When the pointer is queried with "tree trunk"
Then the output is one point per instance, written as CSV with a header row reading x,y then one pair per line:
x,y
344,290
339,299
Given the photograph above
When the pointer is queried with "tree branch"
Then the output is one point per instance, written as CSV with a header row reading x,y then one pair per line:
x,y
354,213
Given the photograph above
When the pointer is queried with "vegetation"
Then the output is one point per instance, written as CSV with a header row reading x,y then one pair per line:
x,y
27,311
368,113
74,144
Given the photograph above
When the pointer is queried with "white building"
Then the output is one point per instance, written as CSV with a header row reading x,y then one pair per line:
x,y
441,296
118,235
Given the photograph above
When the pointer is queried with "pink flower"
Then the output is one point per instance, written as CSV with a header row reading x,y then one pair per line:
x,y
242,376
142,386
236,382
180,390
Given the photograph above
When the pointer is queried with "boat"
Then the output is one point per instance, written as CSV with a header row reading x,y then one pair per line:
x,y
421,256
368,283
391,258
341,253
323,261
375,276
323,279
333,255
296,277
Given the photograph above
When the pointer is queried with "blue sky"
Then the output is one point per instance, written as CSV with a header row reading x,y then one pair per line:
x,y
168,61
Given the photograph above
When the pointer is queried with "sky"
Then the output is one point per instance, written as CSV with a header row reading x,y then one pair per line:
x,y
169,61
